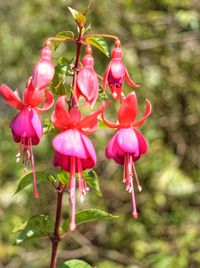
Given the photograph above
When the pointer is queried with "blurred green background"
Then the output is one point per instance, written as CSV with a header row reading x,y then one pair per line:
x,y
162,52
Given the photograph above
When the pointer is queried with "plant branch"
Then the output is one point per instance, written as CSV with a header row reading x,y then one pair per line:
x,y
56,237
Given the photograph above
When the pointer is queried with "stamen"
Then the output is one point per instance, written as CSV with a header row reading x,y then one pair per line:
x,y
36,195
19,152
127,170
72,193
124,171
136,178
82,184
134,210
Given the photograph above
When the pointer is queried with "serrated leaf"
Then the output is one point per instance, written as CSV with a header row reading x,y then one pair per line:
x,y
89,215
74,264
65,35
63,177
28,180
36,226
79,18
92,180
98,42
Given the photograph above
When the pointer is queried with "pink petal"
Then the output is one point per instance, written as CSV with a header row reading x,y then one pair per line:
x,y
49,101
27,124
37,125
117,68
128,141
60,117
114,151
62,160
88,84
11,97
90,161
143,146
70,143
128,110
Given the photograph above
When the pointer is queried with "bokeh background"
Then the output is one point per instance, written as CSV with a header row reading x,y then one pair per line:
x,y
162,52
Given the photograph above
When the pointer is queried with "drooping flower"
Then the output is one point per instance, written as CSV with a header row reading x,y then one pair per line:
x,y
43,71
128,144
116,72
87,84
74,151
26,126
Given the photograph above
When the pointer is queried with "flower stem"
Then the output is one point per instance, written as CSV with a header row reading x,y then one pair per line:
x,y
56,237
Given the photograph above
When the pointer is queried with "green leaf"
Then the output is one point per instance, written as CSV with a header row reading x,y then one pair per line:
x,y
74,264
63,177
48,127
87,28
92,180
28,180
62,71
103,95
36,226
98,42
65,35
89,215
79,18
101,124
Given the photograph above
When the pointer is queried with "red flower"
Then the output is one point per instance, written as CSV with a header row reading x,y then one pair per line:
x,y
87,84
74,151
27,126
115,74
128,144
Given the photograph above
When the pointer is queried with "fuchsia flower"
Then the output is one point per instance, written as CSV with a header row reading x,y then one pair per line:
x,y
87,84
115,74
74,152
43,71
128,144
27,126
